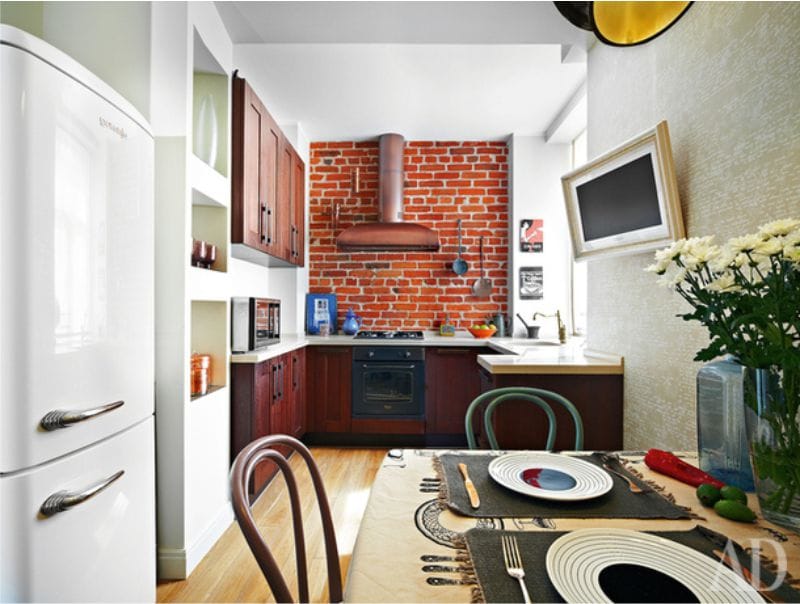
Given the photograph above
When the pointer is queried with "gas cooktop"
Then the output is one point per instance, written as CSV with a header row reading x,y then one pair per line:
x,y
389,335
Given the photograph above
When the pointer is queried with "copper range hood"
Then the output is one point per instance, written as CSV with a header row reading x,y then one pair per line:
x,y
390,233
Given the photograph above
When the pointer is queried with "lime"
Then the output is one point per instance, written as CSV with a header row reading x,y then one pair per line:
x,y
708,494
734,510
733,494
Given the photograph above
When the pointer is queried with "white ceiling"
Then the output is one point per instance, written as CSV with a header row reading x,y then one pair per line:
x,y
428,70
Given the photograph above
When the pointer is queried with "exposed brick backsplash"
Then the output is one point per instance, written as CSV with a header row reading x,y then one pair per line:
x,y
444,181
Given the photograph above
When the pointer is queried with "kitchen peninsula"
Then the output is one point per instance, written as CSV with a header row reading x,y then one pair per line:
x,y
312,387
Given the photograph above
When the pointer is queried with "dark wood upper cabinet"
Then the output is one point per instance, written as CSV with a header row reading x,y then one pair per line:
x,y
298,227
263,192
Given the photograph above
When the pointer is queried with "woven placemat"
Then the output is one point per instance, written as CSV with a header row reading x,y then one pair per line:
x,y
498,501
495,585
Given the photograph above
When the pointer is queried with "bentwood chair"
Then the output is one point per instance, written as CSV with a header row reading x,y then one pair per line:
x,y
262,451
542,398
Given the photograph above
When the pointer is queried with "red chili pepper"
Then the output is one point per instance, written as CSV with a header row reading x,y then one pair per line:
x,y
666,463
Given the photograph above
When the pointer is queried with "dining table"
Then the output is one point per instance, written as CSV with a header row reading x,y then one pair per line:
x,y
421,539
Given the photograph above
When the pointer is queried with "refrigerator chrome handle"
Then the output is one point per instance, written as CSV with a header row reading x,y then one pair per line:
x,y
64,419
64,500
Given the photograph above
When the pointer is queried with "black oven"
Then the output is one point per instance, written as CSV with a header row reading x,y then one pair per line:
x,y
388,382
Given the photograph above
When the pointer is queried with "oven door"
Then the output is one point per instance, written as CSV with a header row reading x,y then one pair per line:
x,y
388,389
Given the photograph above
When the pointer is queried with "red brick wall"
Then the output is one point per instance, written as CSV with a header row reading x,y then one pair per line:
x,y
445,181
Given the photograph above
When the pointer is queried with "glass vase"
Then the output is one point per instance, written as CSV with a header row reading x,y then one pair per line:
x,y
771,399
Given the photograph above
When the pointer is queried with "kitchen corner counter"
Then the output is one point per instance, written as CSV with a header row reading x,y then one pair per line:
x,y
564,360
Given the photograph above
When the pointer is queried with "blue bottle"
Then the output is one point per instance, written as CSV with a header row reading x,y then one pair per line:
x,y
721,434
352,323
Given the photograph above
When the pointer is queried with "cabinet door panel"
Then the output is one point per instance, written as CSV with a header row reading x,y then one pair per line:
x,y
248,178
452,381
283,206
270,152
298,392
328,387
298,229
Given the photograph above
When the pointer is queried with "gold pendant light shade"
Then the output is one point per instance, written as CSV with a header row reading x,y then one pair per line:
x,y
630,23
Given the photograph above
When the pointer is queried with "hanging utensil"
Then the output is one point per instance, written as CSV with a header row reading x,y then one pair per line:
x,y
482,287
460,265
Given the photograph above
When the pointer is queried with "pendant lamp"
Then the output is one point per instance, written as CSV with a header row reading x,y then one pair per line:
x,y
623,23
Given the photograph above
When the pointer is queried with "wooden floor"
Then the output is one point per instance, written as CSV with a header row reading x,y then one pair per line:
x,y
229,572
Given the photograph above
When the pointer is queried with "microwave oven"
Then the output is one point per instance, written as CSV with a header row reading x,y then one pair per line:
x,y
255,323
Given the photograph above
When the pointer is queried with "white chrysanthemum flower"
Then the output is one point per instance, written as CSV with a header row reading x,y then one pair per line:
x,y
672,252
746,243
740,260
779,227
725,283
678,276
659,268
791,253
723,261
698,252
792,238
770,247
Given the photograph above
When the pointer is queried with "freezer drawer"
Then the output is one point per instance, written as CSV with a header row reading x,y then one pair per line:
x,y
101,550
76,239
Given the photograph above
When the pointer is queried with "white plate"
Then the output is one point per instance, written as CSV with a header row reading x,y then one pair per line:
x,y
550,476
575,561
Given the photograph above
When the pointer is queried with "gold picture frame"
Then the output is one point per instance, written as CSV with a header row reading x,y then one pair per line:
x,y
655,142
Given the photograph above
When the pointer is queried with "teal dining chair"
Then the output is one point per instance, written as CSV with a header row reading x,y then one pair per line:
x,y
538,396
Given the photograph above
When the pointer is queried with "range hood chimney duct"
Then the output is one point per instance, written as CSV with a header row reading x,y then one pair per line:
x,y
390,233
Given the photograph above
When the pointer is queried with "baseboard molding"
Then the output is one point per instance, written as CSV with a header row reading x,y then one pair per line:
x,y
179,563
208,537
171,563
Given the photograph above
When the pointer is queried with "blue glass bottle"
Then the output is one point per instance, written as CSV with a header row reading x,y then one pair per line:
x,y
721,436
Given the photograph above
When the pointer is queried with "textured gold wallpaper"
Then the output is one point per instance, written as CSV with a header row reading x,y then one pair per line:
x,y
727,79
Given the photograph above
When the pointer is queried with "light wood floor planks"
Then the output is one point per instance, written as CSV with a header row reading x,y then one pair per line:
x,y
229,572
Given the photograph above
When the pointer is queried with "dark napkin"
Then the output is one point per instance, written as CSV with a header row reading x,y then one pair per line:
x,y
487,557
497,500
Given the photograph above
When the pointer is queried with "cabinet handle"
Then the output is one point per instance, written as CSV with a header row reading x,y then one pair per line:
x,y
263,223
64,500
453,351
64,419
274,383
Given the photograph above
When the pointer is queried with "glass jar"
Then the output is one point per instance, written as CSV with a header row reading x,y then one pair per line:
x,y
200,374
721,434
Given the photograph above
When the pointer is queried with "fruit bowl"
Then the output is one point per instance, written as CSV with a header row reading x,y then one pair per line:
x,y
482,332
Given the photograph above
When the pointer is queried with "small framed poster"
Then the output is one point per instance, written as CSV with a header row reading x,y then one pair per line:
x,y
320,308
531,283
531,235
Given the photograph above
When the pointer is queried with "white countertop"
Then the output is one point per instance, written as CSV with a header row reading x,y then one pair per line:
x,y
517,355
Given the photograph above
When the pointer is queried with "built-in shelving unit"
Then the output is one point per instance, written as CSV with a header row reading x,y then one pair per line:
x,y
192,306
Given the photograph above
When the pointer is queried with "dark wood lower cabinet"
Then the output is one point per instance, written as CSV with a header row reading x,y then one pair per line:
x,y
329,371
297,387
264,401
598,398
452,381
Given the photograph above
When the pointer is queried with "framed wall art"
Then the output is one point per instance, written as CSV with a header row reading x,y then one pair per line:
x,y
531,235
531,283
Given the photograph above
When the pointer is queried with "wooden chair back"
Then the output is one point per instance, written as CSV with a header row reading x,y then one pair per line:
x,y
538,396
263,450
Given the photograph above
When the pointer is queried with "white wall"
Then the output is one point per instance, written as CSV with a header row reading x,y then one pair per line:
x,y
536,169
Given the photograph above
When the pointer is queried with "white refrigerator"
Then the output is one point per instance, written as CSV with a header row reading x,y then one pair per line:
x,y
77,469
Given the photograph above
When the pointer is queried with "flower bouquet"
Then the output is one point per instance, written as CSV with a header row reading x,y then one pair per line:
x,y
747,294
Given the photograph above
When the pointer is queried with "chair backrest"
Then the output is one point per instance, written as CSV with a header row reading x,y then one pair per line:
x,y
540,397
260,450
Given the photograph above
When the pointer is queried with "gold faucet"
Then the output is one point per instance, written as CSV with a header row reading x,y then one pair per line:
x,y
562,329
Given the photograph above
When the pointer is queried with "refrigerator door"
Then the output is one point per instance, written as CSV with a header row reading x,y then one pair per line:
x,y
101,550
76,244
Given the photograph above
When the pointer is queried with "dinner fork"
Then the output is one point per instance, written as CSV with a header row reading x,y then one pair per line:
x,y
514,564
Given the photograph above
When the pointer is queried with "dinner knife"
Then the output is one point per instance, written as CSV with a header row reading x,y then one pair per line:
x,y
474,500
759,586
